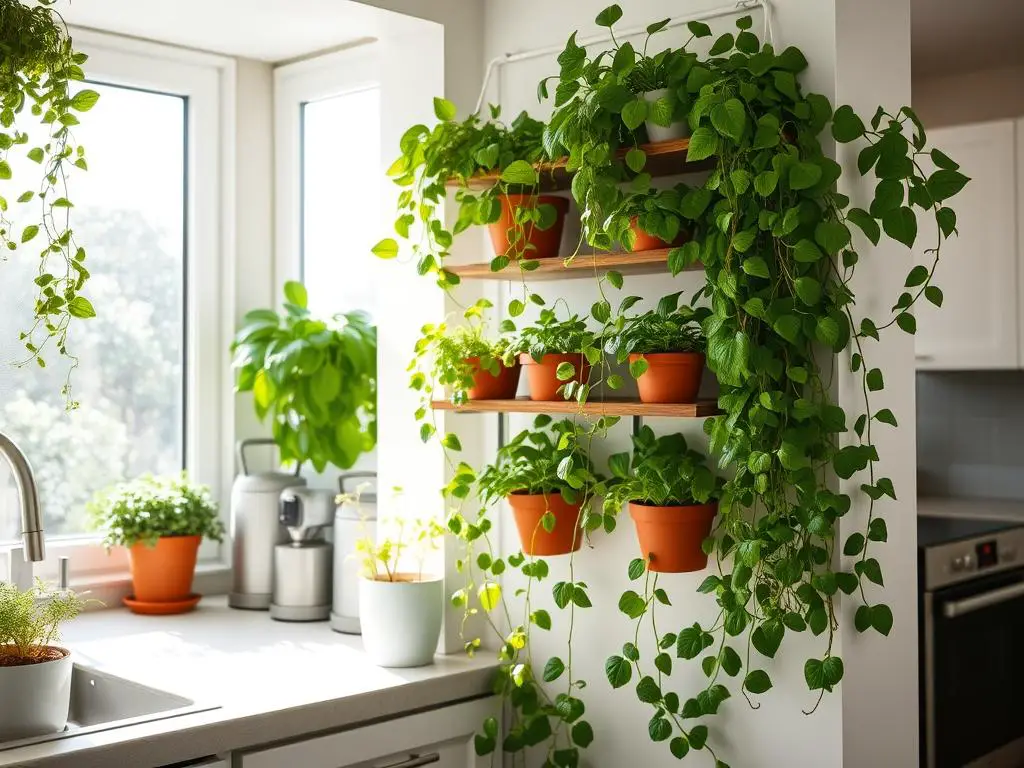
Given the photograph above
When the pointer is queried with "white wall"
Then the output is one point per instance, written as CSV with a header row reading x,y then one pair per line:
x,y
778,734
970,97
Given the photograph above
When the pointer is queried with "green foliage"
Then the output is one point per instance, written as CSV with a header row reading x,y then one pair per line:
x,y
454,151
316,379
30,620
38,69
669,328
662,471
382,559
553,336
144,509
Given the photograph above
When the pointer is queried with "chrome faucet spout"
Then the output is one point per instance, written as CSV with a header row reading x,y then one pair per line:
x,y
28,497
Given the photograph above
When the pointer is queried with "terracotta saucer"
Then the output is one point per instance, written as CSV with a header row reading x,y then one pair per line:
x,y
163,608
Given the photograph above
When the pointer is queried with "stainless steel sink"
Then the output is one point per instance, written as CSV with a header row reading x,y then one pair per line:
x,y
101,702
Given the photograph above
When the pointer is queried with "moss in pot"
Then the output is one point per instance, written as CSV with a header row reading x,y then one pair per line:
x,y
35,672
161,520
664,347
672,496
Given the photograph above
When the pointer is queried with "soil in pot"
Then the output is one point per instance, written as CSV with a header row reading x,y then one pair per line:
x,y
543,379
671,377
529,509
671,537
546,242
487,386
645,242
163,573
36,693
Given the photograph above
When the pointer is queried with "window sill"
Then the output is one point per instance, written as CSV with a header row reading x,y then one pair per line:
x,y
108,590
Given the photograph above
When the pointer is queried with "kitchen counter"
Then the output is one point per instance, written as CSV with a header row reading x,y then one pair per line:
x,y
272,681
987,509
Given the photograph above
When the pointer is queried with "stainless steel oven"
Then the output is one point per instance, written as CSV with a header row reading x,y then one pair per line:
x,y
971,575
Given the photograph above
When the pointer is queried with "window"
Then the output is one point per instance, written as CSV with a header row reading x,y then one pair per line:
x,y
148,213
328,186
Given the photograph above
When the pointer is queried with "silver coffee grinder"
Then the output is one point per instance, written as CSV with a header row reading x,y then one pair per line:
x,y
302,566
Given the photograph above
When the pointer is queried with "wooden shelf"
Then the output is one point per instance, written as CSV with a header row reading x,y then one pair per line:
x,y
607,407
664,158
652,262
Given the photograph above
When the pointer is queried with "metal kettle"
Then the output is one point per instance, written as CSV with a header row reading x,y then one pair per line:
x,y
351,523
256,530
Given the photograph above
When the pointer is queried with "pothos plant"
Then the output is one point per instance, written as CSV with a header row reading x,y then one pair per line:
x,y
37,69
452,153
550,458
779,255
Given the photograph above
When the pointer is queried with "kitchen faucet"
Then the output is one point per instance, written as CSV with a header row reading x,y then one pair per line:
x,y
31,516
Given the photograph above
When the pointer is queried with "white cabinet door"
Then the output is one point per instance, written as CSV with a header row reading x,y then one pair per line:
x,y
439,738
977,327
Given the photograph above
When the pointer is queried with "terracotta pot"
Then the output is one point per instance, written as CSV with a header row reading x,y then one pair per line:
x,y
163,573
487,386
564,538
542,378
546,242
671,537
671,377
645,242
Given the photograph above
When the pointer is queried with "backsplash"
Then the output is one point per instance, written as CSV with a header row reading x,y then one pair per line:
x,y
970,434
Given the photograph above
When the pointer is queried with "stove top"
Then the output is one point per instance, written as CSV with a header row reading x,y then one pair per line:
x,y
935,531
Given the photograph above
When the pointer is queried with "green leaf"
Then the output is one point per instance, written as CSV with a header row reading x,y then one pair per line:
x,y
907,322
295,292
881,618
634,113
29,232
386,249
866,223
608,16
489,595
846,125
934,294
659,729
663,662
519,172
804,175
451,442
731,662
730,118
854,545
806,252
698,736
638,368
81,307
768,637
35,155
827,331
691,641
444,109
943,160
618,671
703,144
553,669
632,604
84,100
722,44
788,327
757,267
808,290
636,159
698,29
944,184
917,276
871,570
766,182
647,690
679,747
757,682
582,734
833,236
875,380
901,224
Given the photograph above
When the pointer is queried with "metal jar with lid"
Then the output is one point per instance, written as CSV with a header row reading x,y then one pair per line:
x,y
256,530
352,522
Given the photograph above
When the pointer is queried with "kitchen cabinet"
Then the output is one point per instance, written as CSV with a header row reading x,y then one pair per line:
x,y
979,324
439,738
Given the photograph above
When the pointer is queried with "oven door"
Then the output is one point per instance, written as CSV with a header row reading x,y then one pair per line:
x,y
974,667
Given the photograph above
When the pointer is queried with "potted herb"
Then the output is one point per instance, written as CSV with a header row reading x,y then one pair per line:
x,y
556,355
400,611
161,521
315,377
665,349
39,67
35,673
547,478
672,497
464,361
650,219
523,224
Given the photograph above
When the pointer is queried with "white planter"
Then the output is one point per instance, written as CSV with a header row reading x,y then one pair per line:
x,y
401,620
34,698
657,132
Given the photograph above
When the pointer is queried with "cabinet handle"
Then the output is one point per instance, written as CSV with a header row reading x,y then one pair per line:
x,y
924,357
415,761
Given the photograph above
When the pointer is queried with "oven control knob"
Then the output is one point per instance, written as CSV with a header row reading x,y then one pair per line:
x,y
958,564
968,562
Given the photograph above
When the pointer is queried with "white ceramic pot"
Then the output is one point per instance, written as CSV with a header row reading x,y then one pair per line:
x,y
35,698
401,620
657,132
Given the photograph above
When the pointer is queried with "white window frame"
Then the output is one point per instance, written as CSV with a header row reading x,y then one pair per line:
x,y
332,74
208,83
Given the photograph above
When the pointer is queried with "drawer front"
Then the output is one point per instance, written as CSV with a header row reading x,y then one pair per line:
x,y
439,738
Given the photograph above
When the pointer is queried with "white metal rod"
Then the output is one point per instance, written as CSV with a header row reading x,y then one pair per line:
x,y
714,13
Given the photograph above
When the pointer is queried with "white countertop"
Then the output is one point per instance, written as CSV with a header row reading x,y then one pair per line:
x,y
273,680
986,509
